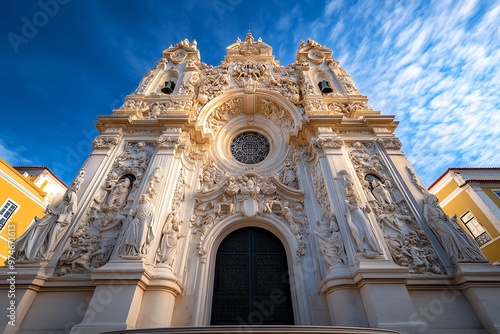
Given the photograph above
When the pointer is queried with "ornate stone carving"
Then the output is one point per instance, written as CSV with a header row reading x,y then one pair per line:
x,y
330,240
250,69
249,195
91,244
457,244
146,80
406,240
215,80
225,112
390,143
286,81
168,142
315,106
330,142
40,240
139,231
415,180
355,106
101,142
338,108
210,176
346,80
276,113
167,249
358,221
134,105
249,47
288,174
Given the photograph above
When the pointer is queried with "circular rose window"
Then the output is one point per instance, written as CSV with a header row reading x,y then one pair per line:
x,y
250,147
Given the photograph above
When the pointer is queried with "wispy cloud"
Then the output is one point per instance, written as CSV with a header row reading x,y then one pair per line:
x,y
435,66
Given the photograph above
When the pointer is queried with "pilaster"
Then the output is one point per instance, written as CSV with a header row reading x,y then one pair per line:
x,y
481,287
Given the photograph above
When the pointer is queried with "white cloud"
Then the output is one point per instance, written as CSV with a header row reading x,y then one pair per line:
x,y
12,156
434,66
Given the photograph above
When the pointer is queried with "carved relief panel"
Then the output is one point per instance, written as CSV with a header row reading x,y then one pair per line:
x,y
112,209
407,242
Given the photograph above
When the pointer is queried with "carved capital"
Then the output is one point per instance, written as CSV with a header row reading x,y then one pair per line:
x,y
329,142
101,142
390,143
168,142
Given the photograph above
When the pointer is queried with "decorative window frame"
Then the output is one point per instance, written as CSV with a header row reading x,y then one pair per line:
x,y
3,218
479,237
278,148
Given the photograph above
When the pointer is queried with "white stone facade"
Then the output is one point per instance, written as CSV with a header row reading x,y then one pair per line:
x,y
163,188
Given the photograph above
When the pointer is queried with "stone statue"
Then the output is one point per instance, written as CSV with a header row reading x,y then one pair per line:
x,y
118,194
457,244
380,192
360,228
288,215
168,243
289,174
41,238
139,232
330,241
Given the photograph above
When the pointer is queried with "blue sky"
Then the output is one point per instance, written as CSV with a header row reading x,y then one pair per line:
x,y
435,65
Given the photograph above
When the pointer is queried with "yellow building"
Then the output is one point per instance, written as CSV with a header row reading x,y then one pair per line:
x,y
473,195
25,192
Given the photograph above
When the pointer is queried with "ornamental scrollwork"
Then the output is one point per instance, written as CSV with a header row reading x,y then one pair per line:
x,y
249,195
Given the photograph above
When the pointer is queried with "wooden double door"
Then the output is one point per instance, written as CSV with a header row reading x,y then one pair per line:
x,y
251,280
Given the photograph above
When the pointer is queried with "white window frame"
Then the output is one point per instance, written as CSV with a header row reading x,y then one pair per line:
x,y
496,192
4,218
476,229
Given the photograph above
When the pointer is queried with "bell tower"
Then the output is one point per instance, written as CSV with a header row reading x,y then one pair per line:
x,y
249,194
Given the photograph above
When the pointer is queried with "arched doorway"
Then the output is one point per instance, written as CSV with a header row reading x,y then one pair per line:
x,y
251,284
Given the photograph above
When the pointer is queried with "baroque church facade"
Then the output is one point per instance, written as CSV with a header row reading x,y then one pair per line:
x,y
248,194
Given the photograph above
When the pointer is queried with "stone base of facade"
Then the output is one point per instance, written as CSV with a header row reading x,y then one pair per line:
x,y
258,330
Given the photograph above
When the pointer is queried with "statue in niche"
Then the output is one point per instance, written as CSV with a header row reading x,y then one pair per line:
x,y
289,174
330,241
360,227
457,244
139,231
104,192
380,192
41,238
119,193
167,249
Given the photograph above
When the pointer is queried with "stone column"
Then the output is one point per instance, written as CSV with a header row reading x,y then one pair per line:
x,y
159,299
344,300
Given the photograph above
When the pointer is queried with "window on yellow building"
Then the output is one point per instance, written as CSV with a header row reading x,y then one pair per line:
x,y
6,212
497,192
476,229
